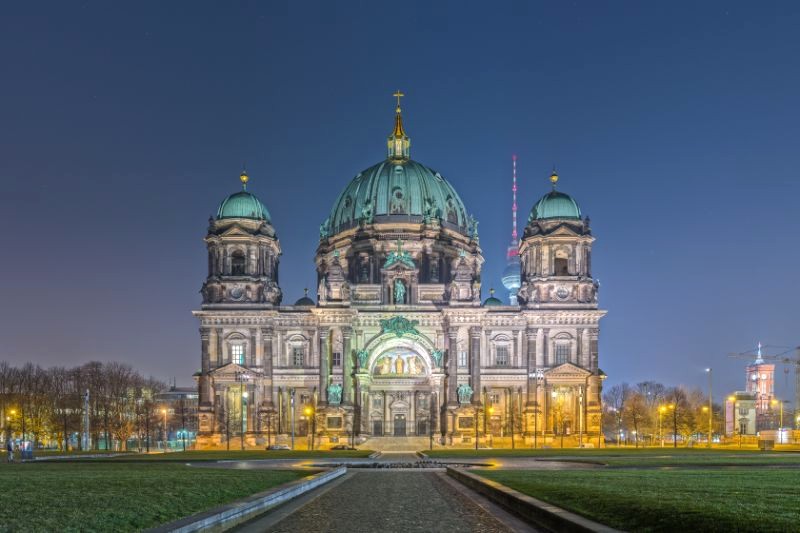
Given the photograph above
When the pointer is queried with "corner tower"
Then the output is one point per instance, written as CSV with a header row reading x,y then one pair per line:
x,y
556,255
243,253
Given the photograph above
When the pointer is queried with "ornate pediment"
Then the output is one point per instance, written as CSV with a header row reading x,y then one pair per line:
x,y
236,231
232,371
567,371
564,231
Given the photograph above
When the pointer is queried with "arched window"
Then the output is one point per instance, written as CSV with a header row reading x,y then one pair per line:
x,y
237,263
452,215
561,263
398,206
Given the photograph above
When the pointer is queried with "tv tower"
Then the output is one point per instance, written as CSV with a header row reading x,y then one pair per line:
x,y
511,274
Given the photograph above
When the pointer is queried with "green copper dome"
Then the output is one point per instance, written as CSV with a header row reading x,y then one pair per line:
x,y
398,190
555,204
242,205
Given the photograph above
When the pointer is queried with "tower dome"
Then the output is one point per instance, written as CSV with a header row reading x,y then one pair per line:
x,y
243,204
555,204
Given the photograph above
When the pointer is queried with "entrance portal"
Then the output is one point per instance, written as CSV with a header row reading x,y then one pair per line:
x,y
399,425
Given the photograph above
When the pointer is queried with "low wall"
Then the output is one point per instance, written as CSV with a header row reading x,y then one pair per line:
x,y
229,515
530,509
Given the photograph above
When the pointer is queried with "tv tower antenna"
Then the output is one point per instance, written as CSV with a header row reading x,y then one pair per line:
x,y
511,274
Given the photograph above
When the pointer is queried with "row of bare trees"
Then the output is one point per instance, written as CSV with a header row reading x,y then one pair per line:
x,y
649,412
47,405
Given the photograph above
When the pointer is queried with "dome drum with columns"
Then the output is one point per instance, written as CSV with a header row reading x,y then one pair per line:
x,y
398,342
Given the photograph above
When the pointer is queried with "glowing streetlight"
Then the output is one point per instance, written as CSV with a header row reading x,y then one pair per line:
x,y
710,410
164,412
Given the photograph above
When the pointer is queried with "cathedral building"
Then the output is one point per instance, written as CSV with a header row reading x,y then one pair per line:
x,y
398,342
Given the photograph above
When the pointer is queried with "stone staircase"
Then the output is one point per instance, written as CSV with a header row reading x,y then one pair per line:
x,y
396,444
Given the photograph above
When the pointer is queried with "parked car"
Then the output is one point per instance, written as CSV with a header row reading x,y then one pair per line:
x,y
278,447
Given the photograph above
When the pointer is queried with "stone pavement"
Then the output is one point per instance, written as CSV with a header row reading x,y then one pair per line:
x,y
388,501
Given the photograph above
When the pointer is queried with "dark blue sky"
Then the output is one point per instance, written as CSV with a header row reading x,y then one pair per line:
x,y
675,126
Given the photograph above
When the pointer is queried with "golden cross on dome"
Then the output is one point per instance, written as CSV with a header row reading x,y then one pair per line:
x,y
398,95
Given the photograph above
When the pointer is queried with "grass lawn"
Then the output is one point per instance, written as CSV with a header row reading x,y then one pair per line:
x,y
101,495
223,455
628,457
736,499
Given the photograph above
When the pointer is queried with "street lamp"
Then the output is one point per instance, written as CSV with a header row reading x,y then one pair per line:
x,y
776,402
244,415
710,409
291,408
242,377
309,412
732,399
164,412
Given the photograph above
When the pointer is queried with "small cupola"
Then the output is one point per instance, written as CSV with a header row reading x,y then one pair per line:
x,y
398,143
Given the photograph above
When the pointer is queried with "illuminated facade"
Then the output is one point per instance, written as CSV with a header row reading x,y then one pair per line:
x,y
398,342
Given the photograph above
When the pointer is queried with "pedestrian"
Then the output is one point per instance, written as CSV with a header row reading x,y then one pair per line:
x,y
10,450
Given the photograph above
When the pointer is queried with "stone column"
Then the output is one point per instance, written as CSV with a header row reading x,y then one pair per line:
x,y
385,413
452,367
220,351
324,371
475,363
531,335
250,359
413,412
266,340
347,365
204,389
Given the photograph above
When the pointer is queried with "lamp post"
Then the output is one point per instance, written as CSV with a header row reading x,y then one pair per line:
x,y
242,377
732,399
291,408
164,412
244,415
710,409
674,408
309,412
476,428
779,402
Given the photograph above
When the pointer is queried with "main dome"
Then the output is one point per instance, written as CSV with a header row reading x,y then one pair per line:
x,y
398,191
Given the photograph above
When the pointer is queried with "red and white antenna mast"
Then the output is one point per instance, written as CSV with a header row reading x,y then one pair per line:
x,y
514,202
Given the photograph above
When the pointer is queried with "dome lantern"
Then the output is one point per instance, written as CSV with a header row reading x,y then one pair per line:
x,y
398,143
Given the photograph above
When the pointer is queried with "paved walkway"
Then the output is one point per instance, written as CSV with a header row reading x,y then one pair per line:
x,y
388,501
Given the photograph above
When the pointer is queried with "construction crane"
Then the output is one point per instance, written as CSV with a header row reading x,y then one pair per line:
x,y
781,354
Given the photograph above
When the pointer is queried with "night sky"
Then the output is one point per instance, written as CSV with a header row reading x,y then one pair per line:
x,y
675,126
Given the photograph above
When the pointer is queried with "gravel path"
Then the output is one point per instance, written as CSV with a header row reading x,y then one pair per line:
x,y
388,501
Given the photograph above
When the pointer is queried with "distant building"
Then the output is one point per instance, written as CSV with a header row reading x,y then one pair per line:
x,y
740,414
181,404
761,383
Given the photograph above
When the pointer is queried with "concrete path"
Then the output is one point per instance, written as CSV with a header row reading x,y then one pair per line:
x,y
388,501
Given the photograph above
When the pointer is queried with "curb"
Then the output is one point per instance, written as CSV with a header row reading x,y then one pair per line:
x,y
228,515
530,509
